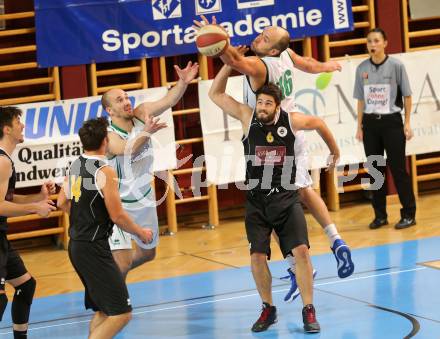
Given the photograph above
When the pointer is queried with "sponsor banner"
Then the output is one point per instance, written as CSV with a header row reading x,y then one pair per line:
x,y
52,142
329,96
224,153
109,30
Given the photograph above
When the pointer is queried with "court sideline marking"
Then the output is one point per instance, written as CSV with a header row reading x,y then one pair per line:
x,y
227,299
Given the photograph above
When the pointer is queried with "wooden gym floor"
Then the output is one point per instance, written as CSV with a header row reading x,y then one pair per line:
x,y
196,250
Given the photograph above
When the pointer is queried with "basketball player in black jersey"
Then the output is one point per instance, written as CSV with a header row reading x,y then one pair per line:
x,y
12,269
275,62
90,194
272,200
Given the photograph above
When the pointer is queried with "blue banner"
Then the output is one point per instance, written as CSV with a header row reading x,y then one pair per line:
x,y
72,32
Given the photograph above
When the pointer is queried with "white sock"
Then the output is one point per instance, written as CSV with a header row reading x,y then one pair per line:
x,y
332,233
290,259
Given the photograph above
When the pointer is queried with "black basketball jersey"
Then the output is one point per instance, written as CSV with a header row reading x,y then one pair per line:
x,y
89,218
270,154
10,192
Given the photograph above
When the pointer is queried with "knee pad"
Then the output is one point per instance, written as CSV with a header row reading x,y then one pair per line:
x,y
3,303
21,304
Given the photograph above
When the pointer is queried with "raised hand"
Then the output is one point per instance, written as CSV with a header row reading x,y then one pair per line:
x,y
199,24
332,66
242,49
189,73
152,124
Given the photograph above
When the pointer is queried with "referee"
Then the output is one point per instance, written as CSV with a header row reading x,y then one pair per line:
x,y
381,82
90,194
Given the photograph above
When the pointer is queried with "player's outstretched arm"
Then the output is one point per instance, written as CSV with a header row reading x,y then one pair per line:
x,y
310,65
119,146
305,122
47,189
250,66
108,183
155,108
13,209
227,103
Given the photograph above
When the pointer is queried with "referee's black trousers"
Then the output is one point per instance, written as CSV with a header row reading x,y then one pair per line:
x,y
385,133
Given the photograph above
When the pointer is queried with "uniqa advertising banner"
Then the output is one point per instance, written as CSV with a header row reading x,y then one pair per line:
x,y
52,142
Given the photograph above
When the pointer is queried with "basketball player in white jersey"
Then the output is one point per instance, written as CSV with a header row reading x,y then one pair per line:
x,y
274,63
131,155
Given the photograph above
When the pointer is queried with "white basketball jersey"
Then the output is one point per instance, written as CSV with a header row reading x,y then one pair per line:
x,y
135,174
280,72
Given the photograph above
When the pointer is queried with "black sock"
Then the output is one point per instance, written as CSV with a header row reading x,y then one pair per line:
x,y
20,334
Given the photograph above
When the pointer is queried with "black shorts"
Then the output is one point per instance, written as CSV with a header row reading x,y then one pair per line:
x,y
105,288
11,265
279,211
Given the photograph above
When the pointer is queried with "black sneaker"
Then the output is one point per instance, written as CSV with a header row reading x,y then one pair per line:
x,y
268,317
377,222
404,223
311,325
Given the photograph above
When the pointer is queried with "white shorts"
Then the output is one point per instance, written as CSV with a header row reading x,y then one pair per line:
x,y
146,217
121,240
302,177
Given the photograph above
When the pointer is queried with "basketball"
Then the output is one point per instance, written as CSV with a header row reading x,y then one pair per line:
x,y
212,40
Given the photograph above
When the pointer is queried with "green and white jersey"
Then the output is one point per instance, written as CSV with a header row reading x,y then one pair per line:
x,y
280,72
135,174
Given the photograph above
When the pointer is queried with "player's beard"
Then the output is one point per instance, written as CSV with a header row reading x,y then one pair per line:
x,y
267,118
